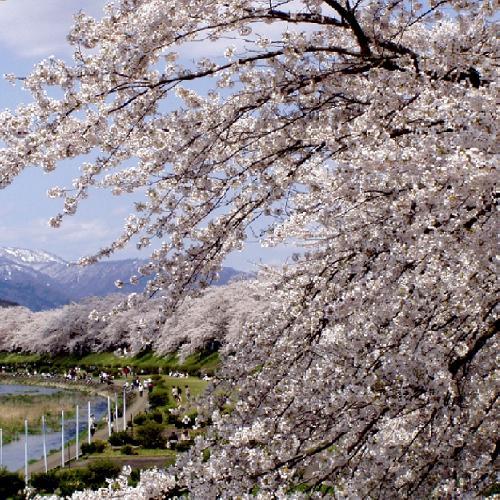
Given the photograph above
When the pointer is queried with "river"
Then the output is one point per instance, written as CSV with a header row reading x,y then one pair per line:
x,y
12,456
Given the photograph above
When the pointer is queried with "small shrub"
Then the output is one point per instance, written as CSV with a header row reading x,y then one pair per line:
x,y
174,420
11,485
183,445
67,481
120,438
71,481
134,477
127,450
157,416
45,482
140,418
150,435
100,470
159,397
97,446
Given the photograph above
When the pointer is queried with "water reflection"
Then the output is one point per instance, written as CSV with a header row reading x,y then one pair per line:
x,y
26,390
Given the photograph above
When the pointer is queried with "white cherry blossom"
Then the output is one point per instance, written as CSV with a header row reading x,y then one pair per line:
x,y
363,131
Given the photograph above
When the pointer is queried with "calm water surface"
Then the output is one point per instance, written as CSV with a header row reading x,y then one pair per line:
x,y
28,390
13,453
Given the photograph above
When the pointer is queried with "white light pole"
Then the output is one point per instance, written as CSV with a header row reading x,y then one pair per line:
x,y
1,447
26,477
77,444
116,409
62,438
124,410
44,443
88,423
109,416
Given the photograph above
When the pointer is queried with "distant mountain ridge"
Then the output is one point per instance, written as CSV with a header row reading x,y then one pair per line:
x,y
7,303
40,280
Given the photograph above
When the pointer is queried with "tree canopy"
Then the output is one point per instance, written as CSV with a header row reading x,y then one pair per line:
x,y
363,131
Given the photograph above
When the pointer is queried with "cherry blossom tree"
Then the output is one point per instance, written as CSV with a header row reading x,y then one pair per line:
x,y
212,320
360,130
13,320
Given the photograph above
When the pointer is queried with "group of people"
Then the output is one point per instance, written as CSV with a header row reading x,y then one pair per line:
x,y
139,385
105,378
75,374
177,393
173,438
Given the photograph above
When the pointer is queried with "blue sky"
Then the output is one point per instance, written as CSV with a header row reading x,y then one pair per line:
x,y
31,30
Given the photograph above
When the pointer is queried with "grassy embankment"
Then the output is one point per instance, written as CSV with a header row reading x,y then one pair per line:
x,y
196,364
147,434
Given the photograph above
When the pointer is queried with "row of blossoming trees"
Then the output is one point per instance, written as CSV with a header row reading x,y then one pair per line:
x,y
199,324
362,130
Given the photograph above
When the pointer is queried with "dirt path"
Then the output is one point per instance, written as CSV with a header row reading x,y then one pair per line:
x,y
138,405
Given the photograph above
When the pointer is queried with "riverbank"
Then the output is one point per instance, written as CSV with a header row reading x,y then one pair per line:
x,y
137,405
154,436
21,402
38,401
161,423
12,422
60,382
199,364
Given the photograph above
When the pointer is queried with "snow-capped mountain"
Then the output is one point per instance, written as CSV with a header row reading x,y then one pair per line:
x,y
36,259
98,279
40,280
24,284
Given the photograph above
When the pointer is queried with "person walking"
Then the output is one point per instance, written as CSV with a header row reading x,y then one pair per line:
x,y
93,426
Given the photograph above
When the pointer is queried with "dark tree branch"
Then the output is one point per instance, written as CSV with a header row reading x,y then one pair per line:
x,y
348,15
460,362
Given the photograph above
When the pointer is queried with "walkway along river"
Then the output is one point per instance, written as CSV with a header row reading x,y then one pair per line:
x,y
137,405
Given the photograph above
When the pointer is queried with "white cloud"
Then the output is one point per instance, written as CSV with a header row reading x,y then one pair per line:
x,y
38,28
71,241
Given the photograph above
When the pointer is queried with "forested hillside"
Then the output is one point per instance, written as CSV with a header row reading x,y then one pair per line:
x,y
7,303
